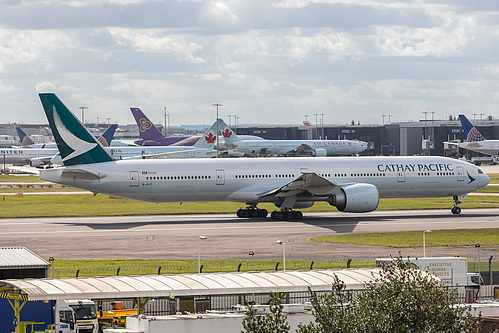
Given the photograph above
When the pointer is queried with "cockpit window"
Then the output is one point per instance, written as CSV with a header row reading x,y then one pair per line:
x,y
480,172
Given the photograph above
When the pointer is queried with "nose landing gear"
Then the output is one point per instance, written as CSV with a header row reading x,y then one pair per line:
x,y
456,209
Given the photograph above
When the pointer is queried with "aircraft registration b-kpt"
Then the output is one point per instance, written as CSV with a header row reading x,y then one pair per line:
x,y
351,184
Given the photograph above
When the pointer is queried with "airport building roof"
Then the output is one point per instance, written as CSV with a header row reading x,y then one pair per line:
x,y
20,257
185,284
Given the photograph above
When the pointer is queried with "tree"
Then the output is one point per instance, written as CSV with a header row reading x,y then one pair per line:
x,y
401,299
275,321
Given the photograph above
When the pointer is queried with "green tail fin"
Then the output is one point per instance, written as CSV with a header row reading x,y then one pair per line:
x,y
75,143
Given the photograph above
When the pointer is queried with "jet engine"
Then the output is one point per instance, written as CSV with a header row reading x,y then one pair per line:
x,y
356,198
35,163
320,152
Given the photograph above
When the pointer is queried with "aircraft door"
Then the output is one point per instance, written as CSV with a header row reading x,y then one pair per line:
x,y
220,177
460,174
401,176
134,179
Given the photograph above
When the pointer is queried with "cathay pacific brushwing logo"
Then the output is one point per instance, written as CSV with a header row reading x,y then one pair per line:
x,y
470,178
78,145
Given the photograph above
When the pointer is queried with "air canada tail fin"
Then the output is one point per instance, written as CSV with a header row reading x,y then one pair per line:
x,y
106,137
228,134
209,138
472,134
25,140
75,143
147,129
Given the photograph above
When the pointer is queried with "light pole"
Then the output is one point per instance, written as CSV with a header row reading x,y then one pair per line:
x,y
316,126
167,125
424,135
477,245
424,242
283,252
199,252
252,254
82,108
51,259
383,116
217,105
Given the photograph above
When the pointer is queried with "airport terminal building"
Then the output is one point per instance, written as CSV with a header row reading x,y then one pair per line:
x,y
403,138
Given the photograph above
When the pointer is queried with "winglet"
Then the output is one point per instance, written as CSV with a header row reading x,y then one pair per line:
x,y
472,134
75,143
147,129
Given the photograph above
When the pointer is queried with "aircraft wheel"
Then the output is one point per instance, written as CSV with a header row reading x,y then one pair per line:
x,y
456,210
279,216
298,215
244,213
289,215
254,213
239,213
263,213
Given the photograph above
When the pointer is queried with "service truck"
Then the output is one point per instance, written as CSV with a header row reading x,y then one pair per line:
x,y
452,271
86,315
45,316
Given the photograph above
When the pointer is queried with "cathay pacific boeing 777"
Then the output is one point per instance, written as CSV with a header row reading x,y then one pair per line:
x,y
351,184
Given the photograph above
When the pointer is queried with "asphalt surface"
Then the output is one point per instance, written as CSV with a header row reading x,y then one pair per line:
x,y
177,237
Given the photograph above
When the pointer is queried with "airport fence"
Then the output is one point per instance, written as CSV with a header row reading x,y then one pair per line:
x,y
208,266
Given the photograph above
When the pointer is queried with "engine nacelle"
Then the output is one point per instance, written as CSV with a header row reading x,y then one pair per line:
x,y
356,198
320,152
35,163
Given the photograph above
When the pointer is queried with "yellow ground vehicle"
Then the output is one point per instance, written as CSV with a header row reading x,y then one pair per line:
x,y
115,317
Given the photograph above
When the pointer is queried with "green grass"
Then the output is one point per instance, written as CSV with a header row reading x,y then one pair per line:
x,y
414,239
103,205
20,179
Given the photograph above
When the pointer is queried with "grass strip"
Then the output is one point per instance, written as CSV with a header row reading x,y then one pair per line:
x,y
414,239
83,205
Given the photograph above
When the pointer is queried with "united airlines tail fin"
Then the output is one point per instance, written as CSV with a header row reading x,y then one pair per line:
x,y
25,140
75,143
470,131
227,133
106,137
147,129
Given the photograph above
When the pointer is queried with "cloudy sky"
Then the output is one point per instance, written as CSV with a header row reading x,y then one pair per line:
x,y
266,61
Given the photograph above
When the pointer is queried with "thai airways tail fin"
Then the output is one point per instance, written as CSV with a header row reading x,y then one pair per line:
x,y
147,129
227,133
25,139
472,134
75,143
106,137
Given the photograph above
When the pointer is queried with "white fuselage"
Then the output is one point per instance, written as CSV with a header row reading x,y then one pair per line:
x,y
488,147
242,180
283,147
24,155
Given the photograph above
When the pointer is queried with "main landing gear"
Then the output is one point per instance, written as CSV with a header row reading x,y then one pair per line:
x,y
278,215
252,211
286,215
456,209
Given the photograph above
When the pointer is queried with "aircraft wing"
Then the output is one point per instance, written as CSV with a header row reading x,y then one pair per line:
x,y
31,170
309,182
303,149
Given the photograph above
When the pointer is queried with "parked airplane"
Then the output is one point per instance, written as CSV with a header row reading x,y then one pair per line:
x,y
289,147
27,142
475,141
36,157
204,148
151,136
352,184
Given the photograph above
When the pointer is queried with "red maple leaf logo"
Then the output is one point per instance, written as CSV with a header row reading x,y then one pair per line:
x,y
227,133
210,138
